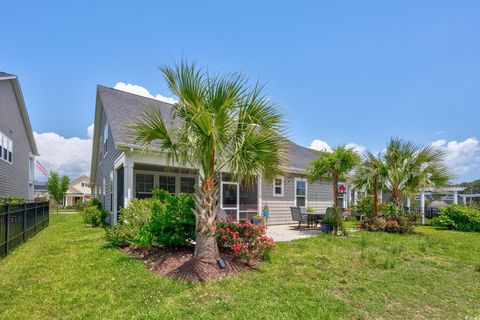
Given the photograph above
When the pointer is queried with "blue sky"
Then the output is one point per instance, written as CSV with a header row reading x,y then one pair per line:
x,y
342,71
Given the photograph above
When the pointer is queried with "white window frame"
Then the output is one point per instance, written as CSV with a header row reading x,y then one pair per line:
x,y
275,186
6,144
306,191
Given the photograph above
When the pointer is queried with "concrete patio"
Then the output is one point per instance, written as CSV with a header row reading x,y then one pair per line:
x,y
290,232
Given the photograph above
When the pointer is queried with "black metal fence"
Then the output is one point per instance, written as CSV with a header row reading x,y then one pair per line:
x,y
19,222
417,212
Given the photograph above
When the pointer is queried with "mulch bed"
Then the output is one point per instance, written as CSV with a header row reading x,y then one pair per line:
x,y
169,260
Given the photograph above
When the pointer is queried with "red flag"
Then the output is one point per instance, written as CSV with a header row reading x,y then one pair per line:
x,y
41,168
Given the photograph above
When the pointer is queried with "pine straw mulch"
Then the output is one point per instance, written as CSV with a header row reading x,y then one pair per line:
x,y
176,262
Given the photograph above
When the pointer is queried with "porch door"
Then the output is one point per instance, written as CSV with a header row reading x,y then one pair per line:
x,y
229,195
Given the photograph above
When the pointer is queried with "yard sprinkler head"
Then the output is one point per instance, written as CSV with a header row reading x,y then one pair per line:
x,y
221,263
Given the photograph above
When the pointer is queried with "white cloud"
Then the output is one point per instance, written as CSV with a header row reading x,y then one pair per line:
x,y
461,157
67,156
141,91
320,145
356,147
90,131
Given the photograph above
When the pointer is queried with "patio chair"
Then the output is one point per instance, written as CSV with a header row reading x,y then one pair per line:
x,y
298,216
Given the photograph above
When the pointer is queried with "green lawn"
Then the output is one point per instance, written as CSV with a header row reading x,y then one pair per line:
x,y
66,272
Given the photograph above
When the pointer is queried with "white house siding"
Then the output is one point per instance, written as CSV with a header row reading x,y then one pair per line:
x,y
319,197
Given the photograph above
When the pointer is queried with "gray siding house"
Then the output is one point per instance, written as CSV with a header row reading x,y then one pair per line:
x,y
17,143
120,172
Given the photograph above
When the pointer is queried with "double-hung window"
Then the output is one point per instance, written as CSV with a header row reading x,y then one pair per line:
x,y
278,187
6,148
105,138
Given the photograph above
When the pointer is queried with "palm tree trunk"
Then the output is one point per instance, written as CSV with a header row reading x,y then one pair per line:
x,y
397,198
375,204
206,208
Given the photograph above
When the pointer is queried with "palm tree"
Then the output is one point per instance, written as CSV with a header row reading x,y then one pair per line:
x,y
222,124
371,176
410,167
333,165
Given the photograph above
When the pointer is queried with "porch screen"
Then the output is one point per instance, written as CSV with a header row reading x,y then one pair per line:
x,y
249,198
143,185
187,185
167,183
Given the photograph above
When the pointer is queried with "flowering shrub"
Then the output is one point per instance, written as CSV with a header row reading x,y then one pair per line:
x,y
392,224
246,240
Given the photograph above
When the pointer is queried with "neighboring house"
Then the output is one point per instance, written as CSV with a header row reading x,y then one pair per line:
x,y
78,191
17,143
119,172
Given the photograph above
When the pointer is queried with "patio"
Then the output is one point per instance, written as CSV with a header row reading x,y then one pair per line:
x,y
290,232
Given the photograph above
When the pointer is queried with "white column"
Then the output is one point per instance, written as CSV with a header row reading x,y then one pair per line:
x,y
128,181
455,197
408,203
422,207
355,196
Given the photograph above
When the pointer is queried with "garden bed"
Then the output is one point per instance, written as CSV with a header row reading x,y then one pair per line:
x,y
167,261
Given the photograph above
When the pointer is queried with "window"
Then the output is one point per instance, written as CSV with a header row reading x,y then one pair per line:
x,y
167,183
143,185
300,192
187,185
105,137
84,184
6,148
278,187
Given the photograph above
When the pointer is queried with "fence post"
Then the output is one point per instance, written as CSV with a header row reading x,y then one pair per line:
x,y
24,222
7,209
35,220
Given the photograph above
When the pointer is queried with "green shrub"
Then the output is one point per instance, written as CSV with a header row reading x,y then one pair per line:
x,y
94,216
132,220
365,205
93,202
12,200
171,224
457,217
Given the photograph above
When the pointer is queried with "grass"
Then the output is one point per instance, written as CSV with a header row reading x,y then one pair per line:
x,y
67,272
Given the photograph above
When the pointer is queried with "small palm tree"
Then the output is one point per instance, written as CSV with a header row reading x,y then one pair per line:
x,y
371,176
410,167
333,165
221,125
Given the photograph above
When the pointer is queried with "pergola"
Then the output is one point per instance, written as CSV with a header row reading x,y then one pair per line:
x,y
445,190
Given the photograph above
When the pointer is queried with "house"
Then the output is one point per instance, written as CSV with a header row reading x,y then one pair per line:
x,y
17,143
78,191
119,171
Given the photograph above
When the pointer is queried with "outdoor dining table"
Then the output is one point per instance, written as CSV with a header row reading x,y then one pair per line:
x,y
314,218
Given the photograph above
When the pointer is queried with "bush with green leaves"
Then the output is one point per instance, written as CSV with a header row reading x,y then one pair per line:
x,y
93,216
161,220
132,219
365,205
456,217
173,223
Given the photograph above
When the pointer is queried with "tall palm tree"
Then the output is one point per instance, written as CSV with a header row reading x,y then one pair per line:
x,y
333,165
410,167
371,176
222,124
